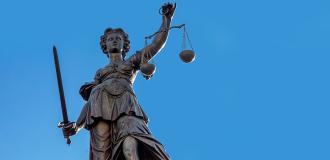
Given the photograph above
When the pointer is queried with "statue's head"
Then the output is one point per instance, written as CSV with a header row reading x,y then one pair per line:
x,y
115,41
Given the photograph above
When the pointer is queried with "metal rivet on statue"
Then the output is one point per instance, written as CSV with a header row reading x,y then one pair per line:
x,y
187,56
148,69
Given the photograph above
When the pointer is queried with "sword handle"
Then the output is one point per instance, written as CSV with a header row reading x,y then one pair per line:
x,y
67,132
68,141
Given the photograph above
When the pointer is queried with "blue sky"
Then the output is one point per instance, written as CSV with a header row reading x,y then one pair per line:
x,y
258,90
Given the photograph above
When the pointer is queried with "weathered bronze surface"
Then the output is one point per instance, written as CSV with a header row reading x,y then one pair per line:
x,y
112,114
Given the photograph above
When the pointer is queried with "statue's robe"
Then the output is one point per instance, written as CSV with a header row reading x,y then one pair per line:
x,y
111,102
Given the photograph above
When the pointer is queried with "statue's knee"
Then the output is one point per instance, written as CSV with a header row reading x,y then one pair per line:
x,y
130,148
130,144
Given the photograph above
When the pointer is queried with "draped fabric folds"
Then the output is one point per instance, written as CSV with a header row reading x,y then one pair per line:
x,y
112,113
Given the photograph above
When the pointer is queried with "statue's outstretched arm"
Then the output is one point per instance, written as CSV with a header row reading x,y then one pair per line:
x,y
159,41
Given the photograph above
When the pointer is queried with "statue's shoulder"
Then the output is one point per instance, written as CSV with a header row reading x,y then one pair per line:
x,y
135,59
100,72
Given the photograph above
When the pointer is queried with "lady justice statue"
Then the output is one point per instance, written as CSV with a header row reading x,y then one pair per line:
x,y
112,114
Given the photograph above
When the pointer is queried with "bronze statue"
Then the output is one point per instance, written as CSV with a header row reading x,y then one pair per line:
x,y
112,114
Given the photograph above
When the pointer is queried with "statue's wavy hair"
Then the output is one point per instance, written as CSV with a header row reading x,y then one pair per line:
x,y
103,38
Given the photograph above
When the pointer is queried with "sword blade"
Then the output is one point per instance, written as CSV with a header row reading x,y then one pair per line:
x,y
60,87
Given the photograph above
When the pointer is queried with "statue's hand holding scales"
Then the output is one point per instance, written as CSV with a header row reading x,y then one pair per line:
x,y
168,9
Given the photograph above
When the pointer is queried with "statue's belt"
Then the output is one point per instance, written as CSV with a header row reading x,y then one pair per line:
x,y
117,88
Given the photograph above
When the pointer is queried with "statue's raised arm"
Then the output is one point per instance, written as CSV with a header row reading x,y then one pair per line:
x,y
149,51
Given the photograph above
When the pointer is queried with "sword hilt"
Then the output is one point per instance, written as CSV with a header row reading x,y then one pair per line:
x,y
68,141
67,131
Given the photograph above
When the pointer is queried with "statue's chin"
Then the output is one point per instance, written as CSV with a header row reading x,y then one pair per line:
x,y
114,50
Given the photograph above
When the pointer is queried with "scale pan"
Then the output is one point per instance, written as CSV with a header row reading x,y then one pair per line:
x,y
187,56
148,69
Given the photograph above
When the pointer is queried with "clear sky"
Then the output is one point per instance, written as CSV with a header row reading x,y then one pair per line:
x,y
258,90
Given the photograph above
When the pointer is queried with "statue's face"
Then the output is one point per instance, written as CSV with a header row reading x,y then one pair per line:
x,y
115,42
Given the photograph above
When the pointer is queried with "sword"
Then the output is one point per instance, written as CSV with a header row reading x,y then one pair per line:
x,y
61,91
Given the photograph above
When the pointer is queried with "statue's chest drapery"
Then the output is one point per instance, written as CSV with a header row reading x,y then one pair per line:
x,y
123,70
113,94
116,78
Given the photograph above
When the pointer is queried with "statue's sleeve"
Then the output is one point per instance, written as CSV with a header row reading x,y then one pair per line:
x,y
86,89
81,121
135,60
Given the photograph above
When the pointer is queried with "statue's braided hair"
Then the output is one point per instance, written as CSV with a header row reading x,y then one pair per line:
x,y
117,30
